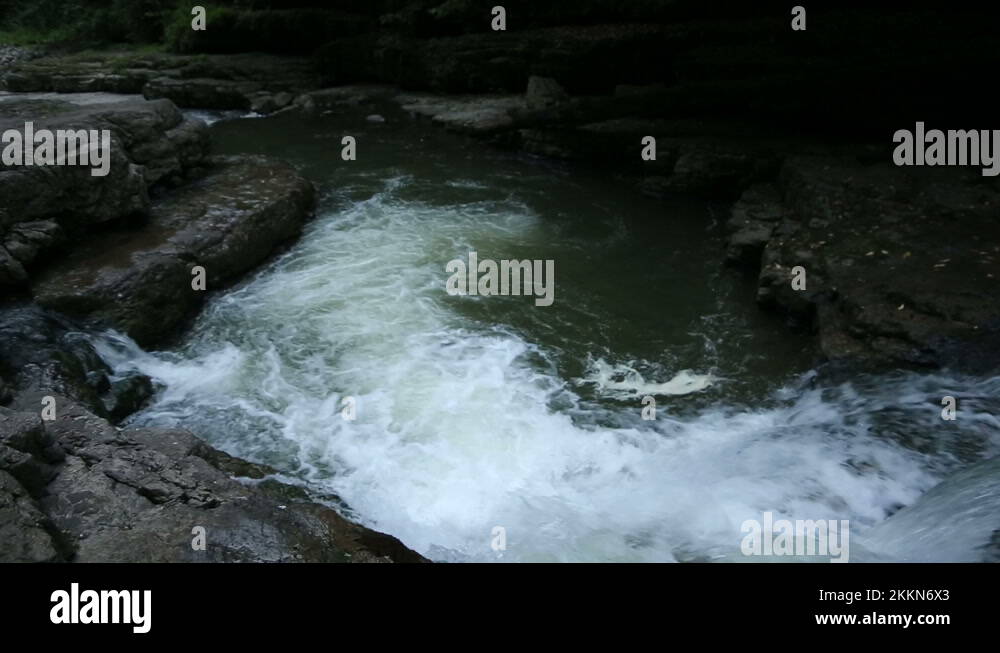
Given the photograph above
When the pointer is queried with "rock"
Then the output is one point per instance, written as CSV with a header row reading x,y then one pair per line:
x,y
306,103
263,104
24,240
482,115
191,81
203,93
12,272
283,99
140,281
905,291
717,172
27,451
24,529
41,207
42,352
138,495
752,221
345,97
127,395
544,92
10,55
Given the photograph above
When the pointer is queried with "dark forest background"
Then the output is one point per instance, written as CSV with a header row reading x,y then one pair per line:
x,y
865,67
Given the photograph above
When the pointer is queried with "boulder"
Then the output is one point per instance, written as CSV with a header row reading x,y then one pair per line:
x,y
141,281
44,351
145,495
42,207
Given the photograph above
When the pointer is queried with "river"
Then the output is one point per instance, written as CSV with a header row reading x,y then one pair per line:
x,y
473,413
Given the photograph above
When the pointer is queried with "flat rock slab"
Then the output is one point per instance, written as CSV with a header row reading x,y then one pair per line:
x,y
41,206
467,114
191,81
903,264
140,280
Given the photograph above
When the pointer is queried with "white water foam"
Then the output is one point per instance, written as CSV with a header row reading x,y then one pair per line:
x,y
623,381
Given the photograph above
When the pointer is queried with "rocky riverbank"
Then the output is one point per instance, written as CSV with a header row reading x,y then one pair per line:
x,y
80,252
742,110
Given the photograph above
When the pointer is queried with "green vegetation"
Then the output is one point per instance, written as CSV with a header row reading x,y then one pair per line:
x,y
71,21
289,25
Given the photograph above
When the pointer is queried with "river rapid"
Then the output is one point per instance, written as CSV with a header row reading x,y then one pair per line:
x,y
478,413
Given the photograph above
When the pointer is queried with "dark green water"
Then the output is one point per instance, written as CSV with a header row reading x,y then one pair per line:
x,y
638,279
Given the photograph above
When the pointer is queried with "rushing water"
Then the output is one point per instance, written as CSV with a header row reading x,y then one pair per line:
x,y
477,412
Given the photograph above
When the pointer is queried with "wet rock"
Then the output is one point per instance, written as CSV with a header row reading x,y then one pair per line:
x,y
265,103
24,529
544,92
140,281
43,352
42,207
480,115
127,395
140,495
901,263
24,240
27,451
10,55
12,272
753,219
203,93
283,99
342,97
